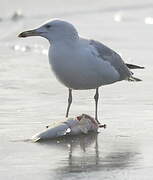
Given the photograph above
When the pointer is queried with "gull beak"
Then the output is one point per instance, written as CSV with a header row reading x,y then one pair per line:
x,y
34,32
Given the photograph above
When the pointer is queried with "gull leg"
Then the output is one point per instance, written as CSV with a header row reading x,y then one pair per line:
x,y
96,105
69,102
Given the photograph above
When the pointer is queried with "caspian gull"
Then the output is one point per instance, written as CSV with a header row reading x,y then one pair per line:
x,y
80,63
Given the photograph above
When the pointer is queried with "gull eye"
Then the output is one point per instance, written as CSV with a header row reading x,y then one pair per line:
x,y
48,26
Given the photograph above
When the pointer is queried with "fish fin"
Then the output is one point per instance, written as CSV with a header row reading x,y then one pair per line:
x,y
36,139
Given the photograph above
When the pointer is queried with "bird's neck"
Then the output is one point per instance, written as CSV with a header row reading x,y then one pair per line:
x,y
60,49
67,42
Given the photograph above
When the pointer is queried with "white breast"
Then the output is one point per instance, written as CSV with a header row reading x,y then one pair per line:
x,y
79,68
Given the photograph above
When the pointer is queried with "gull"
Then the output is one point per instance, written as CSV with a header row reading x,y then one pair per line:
x,y
81,64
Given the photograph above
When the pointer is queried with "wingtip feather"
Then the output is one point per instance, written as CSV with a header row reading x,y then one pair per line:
x,y
133,66
134,79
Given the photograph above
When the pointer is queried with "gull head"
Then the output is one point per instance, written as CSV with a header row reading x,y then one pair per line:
x,y
56,30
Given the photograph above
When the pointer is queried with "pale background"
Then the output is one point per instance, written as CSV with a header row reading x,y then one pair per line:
x,y
31,97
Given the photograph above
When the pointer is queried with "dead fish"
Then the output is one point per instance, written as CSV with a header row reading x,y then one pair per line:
x,y
70,126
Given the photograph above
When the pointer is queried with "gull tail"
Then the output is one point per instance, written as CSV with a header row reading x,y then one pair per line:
x,y
133,66
134,79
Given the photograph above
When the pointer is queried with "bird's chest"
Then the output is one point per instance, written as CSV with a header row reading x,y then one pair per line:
x,y
71,67
63,60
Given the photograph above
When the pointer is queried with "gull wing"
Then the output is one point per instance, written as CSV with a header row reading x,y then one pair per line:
x,y
113,58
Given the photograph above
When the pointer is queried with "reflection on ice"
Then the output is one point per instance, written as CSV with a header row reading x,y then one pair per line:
x,y
148,20
17,15
118,17
84,155
29,48
72,142
122,16
21,48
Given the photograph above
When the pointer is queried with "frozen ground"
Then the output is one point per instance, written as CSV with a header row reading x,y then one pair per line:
x,y
31,97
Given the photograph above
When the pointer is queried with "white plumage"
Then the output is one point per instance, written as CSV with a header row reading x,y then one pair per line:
x,y
79,66
80,63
